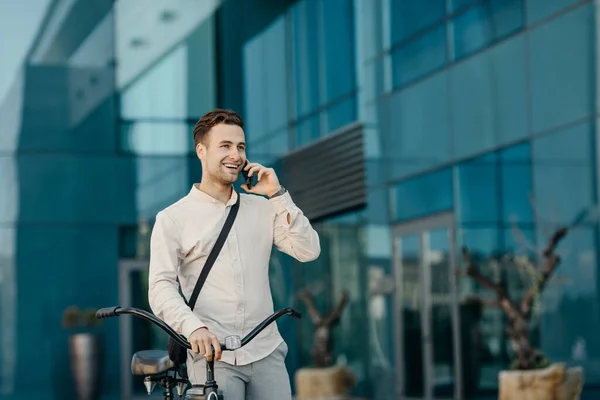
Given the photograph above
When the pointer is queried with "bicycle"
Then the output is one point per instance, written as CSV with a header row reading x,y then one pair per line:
x,y
155,365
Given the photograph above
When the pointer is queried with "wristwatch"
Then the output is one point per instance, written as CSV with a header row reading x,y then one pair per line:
x,y
281,191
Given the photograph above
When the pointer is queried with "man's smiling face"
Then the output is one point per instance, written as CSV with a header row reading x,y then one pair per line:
x,y
223,153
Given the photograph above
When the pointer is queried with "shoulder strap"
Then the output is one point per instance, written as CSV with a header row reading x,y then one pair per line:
x,y
215,252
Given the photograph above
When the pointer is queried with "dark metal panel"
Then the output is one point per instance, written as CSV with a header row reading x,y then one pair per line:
x,y
328,177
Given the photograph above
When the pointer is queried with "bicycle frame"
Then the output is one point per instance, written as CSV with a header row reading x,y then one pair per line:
x,y
208,391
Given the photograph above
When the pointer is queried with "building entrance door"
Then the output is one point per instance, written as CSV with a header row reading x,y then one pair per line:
x,y
426,310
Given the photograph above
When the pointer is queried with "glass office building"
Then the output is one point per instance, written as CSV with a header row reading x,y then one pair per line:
x,y
436,124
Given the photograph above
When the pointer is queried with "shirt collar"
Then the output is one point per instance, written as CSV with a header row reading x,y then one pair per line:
x,y
198,194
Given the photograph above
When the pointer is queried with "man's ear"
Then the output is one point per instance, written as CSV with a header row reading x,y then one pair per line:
x,y
200,151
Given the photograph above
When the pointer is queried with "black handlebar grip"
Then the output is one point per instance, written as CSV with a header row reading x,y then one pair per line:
x,y
294,313
107,312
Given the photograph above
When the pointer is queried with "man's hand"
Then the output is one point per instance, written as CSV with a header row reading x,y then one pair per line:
x,y
268,183
201,341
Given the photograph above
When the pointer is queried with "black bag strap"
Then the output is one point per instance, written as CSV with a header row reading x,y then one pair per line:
x,y
212,257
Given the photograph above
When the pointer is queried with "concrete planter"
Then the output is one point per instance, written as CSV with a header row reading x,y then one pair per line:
x,y
553,383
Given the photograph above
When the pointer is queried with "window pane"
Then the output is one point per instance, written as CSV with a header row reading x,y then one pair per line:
x,y
485,23
423,195
419,136
162,92
306,57
157,138
410,16
570,329
478,191
266,80
456,5
515,171
419,57
308,130
495,110
562,68
563,174
341,114
481,327
541,9
338,47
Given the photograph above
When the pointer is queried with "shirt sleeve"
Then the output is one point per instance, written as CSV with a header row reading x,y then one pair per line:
x,y
296,237
163,289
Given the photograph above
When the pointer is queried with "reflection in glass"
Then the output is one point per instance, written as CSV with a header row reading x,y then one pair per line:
x,y
304,15
563,173
438,258
157,138
427,194
495,111
341,114
338,48
478,192
483,339
485,23
419,57
408,17
558,49
162,92
412,305
516,184
419,136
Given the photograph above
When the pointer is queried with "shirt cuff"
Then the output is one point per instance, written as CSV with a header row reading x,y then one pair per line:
x,y
283,203
190,325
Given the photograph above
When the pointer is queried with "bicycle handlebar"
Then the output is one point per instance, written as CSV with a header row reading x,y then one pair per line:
x,y
116,311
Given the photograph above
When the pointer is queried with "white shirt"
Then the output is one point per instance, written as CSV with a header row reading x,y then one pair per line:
x,y
236,296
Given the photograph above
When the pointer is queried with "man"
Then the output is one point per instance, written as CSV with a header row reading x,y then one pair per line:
x,y
236,296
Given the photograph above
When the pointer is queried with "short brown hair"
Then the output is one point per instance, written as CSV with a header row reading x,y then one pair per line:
x,y
212,118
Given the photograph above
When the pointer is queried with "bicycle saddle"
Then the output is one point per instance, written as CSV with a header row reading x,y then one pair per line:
x,y
150,362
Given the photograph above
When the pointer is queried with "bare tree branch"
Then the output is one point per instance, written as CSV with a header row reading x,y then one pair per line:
x,y
310,304
337,312
551,261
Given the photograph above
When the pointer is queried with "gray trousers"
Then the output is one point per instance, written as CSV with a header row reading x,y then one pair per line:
x,y
265,379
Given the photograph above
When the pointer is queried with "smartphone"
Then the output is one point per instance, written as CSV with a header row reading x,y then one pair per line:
x,y
247,179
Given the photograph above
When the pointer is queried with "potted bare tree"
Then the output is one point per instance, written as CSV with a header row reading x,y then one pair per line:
x,y
85,351
531,375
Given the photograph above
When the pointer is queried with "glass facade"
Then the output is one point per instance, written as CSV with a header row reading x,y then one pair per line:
x,y
479,119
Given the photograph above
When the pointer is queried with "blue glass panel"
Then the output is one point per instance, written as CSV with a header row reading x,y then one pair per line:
x,y
265,79
308,130
419,136
516,174
538,10
559,49
478,190
570,330
157,138
419,57
341,114
338,48
410,16
422,195
457,5
253,93
306,57
563,173
494,112
161,92
275,76
481,25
